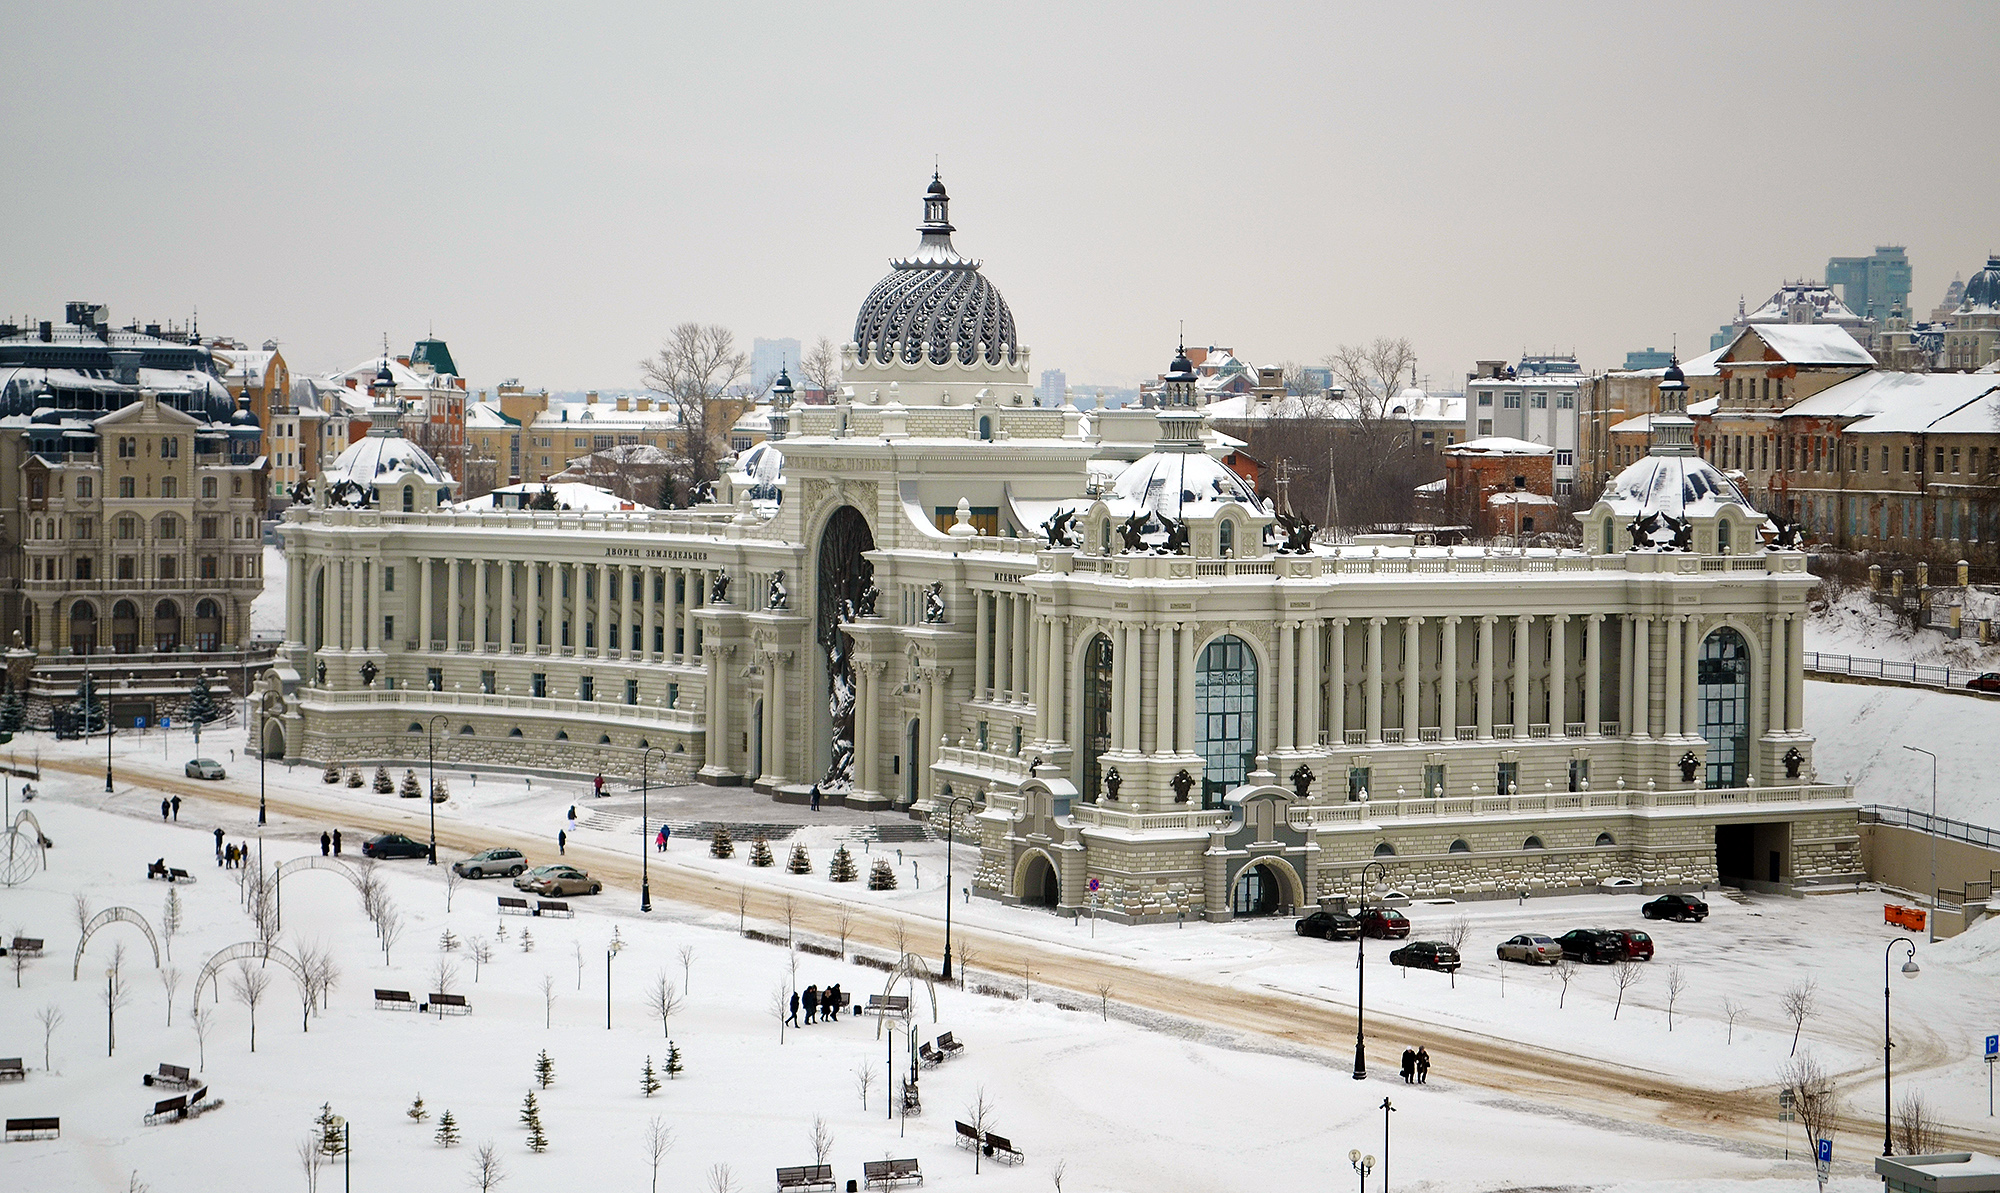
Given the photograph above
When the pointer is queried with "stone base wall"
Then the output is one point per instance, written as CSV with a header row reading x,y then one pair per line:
x,y
576,757
1827,847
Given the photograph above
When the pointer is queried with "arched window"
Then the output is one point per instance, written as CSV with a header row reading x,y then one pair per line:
x,y
1097,665
409,498
166,626
1609,545
1385,850
515,732
1722,690
415,728
207,625
985,427
604,739
1533,843
1722,536
1606,839
1225,540
465,731
125,627
1459,846
562,735
1104,537
1225,713
82,627
128,527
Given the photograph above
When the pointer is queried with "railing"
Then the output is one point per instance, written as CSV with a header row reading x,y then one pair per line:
x,y
1392,737
1564,802
1100,815
1573,729
681,719
1468,733
1926,674
1538,731
1503,732
1937,826
1430,733
1354,737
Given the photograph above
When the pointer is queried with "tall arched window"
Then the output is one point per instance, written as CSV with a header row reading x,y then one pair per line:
x,y
985,427
166,626
1722,536
1225,711
124,627
1722,688
207,625
1097,664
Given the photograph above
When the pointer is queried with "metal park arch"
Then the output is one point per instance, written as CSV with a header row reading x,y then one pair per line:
x,y
112,915
24,852
247,951
911,969
310,861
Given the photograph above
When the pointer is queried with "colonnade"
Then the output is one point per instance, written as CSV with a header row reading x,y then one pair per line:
x,y
637,612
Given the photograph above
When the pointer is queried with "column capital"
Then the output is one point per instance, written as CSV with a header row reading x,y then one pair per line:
x,y
1488,619
1413,620
1378,621
1454,619
1559,618
1596,617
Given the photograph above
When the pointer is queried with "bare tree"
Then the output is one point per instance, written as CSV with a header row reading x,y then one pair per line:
x,y
979,1116
369,887
548,1001
452,879
1731,1012
1677,981
822,1140
486,1170
1917,1132
390,927
820,366
306,982
17,959
1625,975
1800,1002
843,923
79,908
1104,1000
170,978
115,994
51,1017
902,938
1813,1098
1456,932
1299,381
249,984
579,963
687,967
311,1161
864,1080
721,1179
1057,1173
664,1001
742,905
790,910
1564,973
325,973
966,953
698,370
659,1141
781,1004
444,975
482,953
171,917
202,1020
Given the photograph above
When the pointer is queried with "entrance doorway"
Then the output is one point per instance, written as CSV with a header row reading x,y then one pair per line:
x,y
1752,856
914,756
756,743
1257,892
1039,885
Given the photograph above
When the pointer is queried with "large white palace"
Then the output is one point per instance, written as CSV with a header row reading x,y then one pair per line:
x,y
1091,646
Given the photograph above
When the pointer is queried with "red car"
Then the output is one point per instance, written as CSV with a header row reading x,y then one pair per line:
x,y
1638,945
1989,682
1385,923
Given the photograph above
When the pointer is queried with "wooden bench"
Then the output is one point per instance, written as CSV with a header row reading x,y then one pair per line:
x,y
891,1172
28,946
398,1000
949,1047
455,1003
1001,1148
167,873
30,1128
806,1176
11,1069
930,1056
511,905
893,1004
554,908
170,1108
171,1076
967,1137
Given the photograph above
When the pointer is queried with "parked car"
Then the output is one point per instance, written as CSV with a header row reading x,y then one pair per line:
x,y
527,881
1638,946
1593,945
1385,923
1332,925
1532,947
491,863
1675,907
394,845
559,881
1426,954
204,768
1986,682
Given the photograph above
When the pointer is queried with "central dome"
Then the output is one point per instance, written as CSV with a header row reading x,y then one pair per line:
x,y
937,308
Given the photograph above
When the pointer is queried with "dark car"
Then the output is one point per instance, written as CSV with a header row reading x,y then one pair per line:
x,y
1638,946
1332,925
394,845
1987,682
1426,954
1675,907
1385,923
1593,945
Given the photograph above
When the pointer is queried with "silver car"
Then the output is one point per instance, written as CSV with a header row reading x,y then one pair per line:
x,y
1531,947
204,768
491,863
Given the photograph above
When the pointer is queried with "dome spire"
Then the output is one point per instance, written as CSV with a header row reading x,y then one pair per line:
x,y
935,248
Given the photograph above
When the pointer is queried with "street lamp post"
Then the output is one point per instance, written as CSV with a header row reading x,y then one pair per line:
x,y
431,795
1909,971
1933,827
950,814
1361,974
615,948
1387,1110
263,756
646,824
1363,1165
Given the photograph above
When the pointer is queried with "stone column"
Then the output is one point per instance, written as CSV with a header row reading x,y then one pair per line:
x,y
1287,680
1135,685
1336,690
982,670
1169,689
937,732
1795,687
1120,678
1186,734
1690,673
1626,633
691,600
1413,674
454,607
426,631
482,612
1448,684
1671,723
1374,688
864,724
1003,656
1485,707
1058,679
1149,727
1524,668
1309,658
647,620
509,617
1593,684
1777,679
603,610
295,600
1642,678
1558,674
717,715
1019,669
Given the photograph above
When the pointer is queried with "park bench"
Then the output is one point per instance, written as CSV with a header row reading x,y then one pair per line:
x,y
968,1137
930,1056
949,1047
891,1004
167,873
891,1172
172,1076
11,1069
554,908
806,1176
511,905
455,1003
396,1000
175,1108
1002,1148
29,1128
28,946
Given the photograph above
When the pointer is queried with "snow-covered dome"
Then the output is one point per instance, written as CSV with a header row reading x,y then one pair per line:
x,y
1982,293
378,457
1683,486
763,466
937,307
1163,482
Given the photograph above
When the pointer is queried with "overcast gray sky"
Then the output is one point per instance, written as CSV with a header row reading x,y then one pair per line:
x,y
550,186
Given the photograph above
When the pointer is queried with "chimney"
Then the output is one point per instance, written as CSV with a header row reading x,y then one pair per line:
x,y
48,331
590,397
624,404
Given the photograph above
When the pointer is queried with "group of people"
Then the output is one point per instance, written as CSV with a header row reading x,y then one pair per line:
x,y
230,856
824,1005
172,806
1416,1065
329,844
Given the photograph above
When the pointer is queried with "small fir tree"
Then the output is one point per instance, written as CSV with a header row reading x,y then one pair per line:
x,y
383,783
842,867
13,713
649,1079
447,1132
545,1069
411,789
760,853
674,1065
527,941
448,942
440,792
501,931
881,877
720,845
354,777
201,703
331,1144
531,1119
88,710
417,1112
331,774
800,863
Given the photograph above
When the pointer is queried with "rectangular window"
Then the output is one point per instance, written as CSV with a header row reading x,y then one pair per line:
x,y
126,569
1563,489
982,736
1864,459
388,627
586,687
631,691
388,579
1940,461
1954,459
1565,401
1565,457
126,487
434,678
538,684
1512,401
1434,780
168,568
1906,457
1579,774
1485,427
673,695
1485,397
1357,782
1540,401
1508,778
638,639
83,567
659,639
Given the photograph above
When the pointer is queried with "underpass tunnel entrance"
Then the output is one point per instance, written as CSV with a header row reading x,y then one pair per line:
x,y
1754,856
1039,886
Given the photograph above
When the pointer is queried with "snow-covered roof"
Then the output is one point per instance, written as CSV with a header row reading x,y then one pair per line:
x,y
1520,497
1701,366
1826,306
1808,344
244,363
377,457
486,414
1884,392
1929,403
1499,445
1684,486
604,416
568,496
1164,482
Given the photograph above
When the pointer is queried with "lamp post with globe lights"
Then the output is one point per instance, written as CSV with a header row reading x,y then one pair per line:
x,y
646,823
1363,1165
951,803
1909,971
431,795
1361,973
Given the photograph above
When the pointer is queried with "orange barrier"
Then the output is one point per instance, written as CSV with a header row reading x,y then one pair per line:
x,y
1907,917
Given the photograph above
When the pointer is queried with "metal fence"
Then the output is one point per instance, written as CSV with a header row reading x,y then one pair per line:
x,y
1924,822
1928,674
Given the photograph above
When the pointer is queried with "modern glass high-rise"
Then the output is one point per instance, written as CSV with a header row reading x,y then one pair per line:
x,y
1872,286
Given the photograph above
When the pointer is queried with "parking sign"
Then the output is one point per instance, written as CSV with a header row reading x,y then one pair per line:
x,y
138,722
1826,1151
166,722
1992,1047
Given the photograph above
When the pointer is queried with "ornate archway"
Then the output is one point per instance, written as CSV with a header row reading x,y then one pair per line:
x,y
24,853
310,861
247,951
910,969
113,915
845,591
1277,885
1037,879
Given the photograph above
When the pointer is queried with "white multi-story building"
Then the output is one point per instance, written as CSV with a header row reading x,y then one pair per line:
x,y
1126,674
1535,408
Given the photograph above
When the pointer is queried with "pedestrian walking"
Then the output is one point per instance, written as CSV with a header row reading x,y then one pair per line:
x,y
1423,1065
829,1002
1409,1066
218,847
325,845
562,843
336,842
229,856
165,807
660,842
812,1002
815,797
600,785
177,809
793,1019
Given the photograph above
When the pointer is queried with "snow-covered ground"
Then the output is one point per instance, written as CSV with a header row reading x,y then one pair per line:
x,y
1855,625
1135,1101
267,609
1860,730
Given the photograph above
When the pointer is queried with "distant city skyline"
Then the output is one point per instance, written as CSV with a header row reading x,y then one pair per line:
x,y
1389,187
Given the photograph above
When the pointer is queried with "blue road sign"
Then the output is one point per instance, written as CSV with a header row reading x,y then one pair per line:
x,y
1826,1151
1993,1045
138,722
166,722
